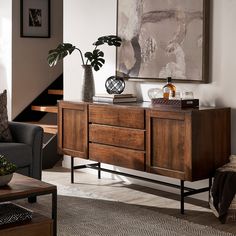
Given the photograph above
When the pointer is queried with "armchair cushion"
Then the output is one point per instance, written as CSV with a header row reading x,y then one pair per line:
x,y
17,153
5,134
26,148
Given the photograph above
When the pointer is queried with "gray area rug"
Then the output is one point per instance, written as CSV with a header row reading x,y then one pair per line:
x,y
91,217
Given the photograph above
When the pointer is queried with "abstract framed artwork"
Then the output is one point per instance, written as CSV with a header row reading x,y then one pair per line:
x,y
163,38
35,18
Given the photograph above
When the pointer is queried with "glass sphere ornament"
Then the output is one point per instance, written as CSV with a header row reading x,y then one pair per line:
x,y
115,85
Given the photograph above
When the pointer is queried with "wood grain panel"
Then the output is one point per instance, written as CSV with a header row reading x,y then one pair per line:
x,y
167,153
194,143
211,133
117,116
168,114
168,172
73,129
168,144
117,156
117,136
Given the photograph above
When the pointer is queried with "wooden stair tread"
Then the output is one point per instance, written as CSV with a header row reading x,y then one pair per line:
x,y
55,91
52,109
51,129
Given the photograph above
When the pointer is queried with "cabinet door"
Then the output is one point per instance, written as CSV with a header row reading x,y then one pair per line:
x,y
168,144
73,129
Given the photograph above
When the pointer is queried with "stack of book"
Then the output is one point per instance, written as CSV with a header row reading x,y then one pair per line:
x,y
115,98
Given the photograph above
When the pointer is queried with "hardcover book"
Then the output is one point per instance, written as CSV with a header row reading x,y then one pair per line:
x,y
122,95
115,98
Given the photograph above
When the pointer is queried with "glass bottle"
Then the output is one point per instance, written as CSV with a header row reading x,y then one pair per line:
x,y
169,89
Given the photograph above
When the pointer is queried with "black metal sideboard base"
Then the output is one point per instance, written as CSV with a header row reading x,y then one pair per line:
x,y
184,191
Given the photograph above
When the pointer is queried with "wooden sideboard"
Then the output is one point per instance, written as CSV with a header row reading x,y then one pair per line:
x,y
187,144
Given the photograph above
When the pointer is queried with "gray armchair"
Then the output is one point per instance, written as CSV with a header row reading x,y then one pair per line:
x,y
26,149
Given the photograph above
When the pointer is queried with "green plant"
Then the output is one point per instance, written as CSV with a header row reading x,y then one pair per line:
x,y
95,57
6,167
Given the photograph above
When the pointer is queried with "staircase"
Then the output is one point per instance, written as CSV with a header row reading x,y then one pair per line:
x,y
43,112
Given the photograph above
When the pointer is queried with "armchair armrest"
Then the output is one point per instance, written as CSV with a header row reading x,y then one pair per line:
x,y
31,135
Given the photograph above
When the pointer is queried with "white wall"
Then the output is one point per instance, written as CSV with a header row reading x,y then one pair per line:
x,y
6,49
29,65
93,18
85,21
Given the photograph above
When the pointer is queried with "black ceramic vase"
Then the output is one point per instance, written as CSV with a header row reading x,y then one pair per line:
x,y
88,88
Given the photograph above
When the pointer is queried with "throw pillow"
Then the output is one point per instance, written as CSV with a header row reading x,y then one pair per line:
x,y
5,134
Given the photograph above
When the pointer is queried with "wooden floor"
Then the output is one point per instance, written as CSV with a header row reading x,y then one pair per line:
x,y
87,185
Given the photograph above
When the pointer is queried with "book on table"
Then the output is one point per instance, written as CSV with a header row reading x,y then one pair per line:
x,y
114,98
107,95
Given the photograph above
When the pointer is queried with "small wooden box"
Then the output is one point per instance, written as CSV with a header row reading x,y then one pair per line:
x,y
188,103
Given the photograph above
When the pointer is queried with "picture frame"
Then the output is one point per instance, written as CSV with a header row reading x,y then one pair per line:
x,y
163,39
35,18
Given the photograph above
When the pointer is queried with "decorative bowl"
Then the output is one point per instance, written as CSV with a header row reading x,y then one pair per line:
x,y
155,93
5,179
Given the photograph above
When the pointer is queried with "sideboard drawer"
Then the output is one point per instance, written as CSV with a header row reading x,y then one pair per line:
x,y
117,116
117,136
117,156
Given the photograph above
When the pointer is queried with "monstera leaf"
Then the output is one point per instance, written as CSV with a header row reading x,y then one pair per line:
x,y
111,40
59,53
96,58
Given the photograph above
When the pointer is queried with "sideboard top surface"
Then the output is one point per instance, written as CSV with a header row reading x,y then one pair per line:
x,y
144,105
